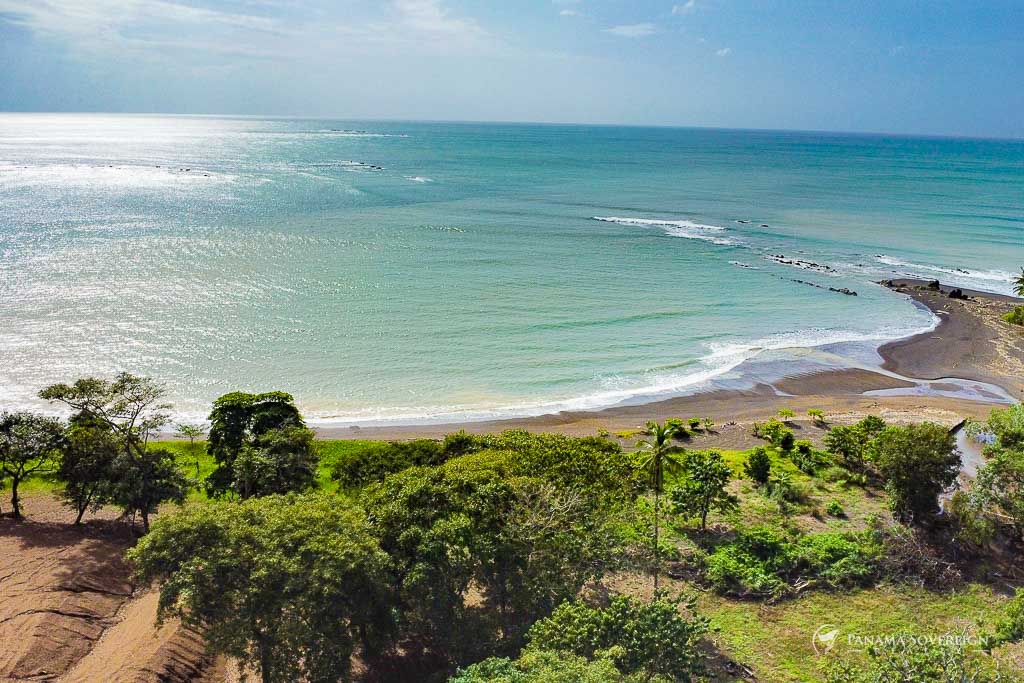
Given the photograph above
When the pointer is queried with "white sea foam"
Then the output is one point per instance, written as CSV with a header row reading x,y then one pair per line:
x,y
419,179
676,228
959,276
721,359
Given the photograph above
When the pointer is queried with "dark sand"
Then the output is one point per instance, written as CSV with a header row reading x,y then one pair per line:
x,y
971,343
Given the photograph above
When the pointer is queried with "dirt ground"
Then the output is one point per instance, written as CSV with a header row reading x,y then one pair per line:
x,y
69,610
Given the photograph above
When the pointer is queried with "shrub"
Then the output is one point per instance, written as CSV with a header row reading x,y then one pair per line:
x,y
694,423
546,666
373,463
1010,629
783,490
1016,316
603,433
772,431
708,424
764,561
786,440
835,509
678,426
652,638
804,457
817,415
786,414
758,466
461,443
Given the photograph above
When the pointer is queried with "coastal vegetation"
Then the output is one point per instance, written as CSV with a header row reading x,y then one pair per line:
x,y
541,557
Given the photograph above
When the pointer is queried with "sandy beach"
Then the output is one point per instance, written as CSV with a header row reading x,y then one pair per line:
x,y
971,342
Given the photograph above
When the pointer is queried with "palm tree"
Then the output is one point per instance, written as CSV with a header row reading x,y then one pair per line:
x,y
1018,284
659,456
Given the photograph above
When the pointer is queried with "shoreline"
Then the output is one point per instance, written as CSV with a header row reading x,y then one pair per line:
x,y
908,382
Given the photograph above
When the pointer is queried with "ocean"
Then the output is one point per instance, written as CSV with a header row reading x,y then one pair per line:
x,y
403,272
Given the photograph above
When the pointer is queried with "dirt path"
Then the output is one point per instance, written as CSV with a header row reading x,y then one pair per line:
x,y
67,610
133,650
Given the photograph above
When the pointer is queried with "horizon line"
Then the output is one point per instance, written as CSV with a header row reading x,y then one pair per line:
x,y
513,122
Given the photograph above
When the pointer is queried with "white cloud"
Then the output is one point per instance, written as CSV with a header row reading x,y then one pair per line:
x,y
723,52
168,27
568,13
429,16
633,30
686,8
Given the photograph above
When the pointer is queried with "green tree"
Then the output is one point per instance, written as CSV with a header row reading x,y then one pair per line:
x,y
237,420
132,408
657,456
870,426
29,443
143,480
997,492
999,487
758,466
1018,283
526,541
652,638
192,432
918,463
87,465
277,461
288,585
849,443
702,487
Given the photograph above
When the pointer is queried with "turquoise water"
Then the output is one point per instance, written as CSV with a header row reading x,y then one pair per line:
x,y
424,270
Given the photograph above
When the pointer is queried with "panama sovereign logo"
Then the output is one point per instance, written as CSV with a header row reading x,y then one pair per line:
x,y
824,639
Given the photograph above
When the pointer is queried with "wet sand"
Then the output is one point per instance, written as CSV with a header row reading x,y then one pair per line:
x,y
971,343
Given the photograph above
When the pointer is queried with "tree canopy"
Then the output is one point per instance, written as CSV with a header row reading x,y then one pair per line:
x,y
240,420
918,463
287,585
28,443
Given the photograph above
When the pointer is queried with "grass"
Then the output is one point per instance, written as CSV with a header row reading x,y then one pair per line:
x,y
776,640
858,504
189,456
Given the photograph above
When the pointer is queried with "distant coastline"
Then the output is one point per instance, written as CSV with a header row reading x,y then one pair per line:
x,y
969,343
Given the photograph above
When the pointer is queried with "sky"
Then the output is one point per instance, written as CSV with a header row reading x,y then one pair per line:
x,y
898,66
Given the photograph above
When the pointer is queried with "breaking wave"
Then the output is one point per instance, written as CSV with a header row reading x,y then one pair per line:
x,y
676,228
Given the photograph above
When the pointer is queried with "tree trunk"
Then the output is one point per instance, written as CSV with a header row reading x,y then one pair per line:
x,y
15,501
657,505
264,661
81,511
145,520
